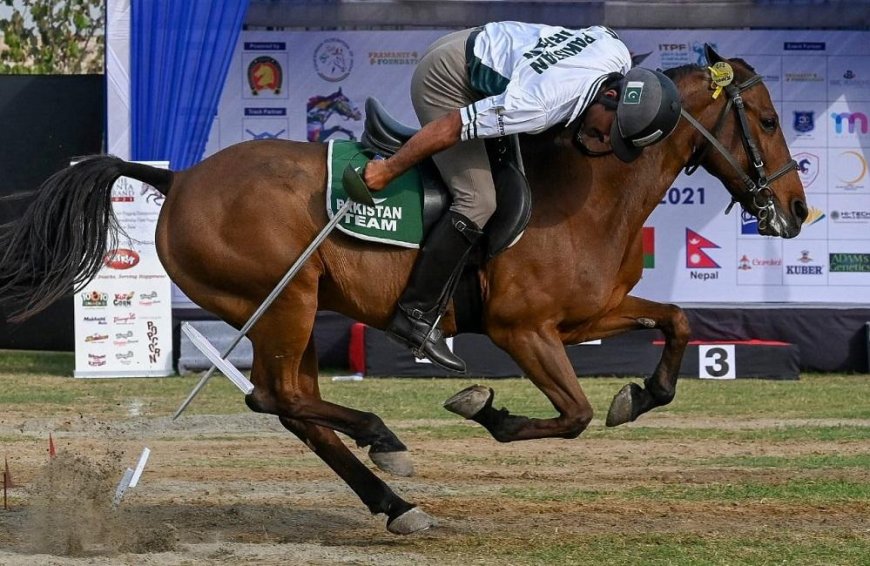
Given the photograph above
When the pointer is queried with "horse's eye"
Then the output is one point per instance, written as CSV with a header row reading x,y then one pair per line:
x,y
769,124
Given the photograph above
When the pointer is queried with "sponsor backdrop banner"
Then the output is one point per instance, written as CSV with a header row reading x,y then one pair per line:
x,y
123,318
313,85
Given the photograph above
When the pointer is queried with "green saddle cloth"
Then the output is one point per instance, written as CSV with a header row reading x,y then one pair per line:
x,y
396,218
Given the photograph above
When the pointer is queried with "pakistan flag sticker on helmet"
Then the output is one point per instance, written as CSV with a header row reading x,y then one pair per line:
x,y
633,92
648,111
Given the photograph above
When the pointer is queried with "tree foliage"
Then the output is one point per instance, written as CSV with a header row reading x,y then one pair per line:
x,y
52,37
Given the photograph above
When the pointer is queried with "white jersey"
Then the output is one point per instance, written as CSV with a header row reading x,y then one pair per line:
x,y
536,76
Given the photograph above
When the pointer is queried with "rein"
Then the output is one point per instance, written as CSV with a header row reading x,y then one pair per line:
x,y
758,190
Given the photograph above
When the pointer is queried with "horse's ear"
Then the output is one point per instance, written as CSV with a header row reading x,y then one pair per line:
x,y
339,90
711,55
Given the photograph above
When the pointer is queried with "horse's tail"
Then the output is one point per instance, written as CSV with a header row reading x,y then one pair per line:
x,y
58,245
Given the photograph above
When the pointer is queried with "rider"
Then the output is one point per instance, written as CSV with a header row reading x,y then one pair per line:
x,y
500,79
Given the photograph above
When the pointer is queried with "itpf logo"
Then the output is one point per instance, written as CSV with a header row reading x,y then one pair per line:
x,y
333,60
808,167
850,122
698,259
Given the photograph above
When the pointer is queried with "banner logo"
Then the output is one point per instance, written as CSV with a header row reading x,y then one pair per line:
x,y
320,109
804,267
123,299
849,262
808,167
121,258
265,73
748,224
123,191
852,173
803,121
95,299
854,122
333,60
813,216
265,135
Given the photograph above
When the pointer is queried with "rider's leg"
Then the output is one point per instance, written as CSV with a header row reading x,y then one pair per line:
x,y
440,85
430,286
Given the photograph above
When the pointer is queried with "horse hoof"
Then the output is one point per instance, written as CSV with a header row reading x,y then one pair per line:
x,y
622,406
395,463
469,401
411,521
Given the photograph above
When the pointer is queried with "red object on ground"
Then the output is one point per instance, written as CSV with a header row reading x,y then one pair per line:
x,y
51,451
356,351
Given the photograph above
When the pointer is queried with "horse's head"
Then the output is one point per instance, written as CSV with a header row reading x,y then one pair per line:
x,y
343,105
739,140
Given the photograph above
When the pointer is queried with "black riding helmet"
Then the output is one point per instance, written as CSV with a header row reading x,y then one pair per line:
x,y
647,112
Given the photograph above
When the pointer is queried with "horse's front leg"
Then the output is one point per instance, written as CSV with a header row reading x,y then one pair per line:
x,y
659,388
542,357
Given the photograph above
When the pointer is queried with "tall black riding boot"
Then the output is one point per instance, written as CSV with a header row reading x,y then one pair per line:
x,y
432,282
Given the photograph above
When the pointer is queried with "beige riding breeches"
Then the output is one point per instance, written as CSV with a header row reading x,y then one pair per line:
x,y
440,85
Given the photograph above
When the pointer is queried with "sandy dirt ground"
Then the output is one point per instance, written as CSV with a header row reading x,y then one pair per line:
x,y
239,489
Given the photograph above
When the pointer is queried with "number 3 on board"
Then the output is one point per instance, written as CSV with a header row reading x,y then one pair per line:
x,y
716,361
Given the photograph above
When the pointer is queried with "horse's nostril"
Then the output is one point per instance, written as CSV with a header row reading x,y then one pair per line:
x,y
799,209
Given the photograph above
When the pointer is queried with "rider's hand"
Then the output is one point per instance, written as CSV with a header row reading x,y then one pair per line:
x,y
376,174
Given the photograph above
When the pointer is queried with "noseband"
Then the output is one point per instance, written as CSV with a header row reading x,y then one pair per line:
x,y
758,194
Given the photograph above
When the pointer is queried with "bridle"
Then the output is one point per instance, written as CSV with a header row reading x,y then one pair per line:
x,y
758,197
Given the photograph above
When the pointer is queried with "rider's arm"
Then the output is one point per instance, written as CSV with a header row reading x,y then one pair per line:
x,y
435,136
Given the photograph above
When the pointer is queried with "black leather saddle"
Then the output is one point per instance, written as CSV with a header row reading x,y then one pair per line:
x,y
385,135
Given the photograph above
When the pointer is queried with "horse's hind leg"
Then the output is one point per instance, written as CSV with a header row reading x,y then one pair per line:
x,y
542,357
660,387
285,384
403,517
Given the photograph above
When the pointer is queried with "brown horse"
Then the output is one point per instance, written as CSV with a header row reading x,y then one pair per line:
x,y
232,224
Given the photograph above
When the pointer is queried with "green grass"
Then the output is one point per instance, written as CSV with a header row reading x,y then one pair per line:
x,y
40,379
812,462
678,549
798,491
39,363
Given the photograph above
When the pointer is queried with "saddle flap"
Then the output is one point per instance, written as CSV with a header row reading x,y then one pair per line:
x,y
513,209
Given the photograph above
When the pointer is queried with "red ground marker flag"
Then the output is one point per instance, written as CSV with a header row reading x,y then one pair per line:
x,y
51,451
